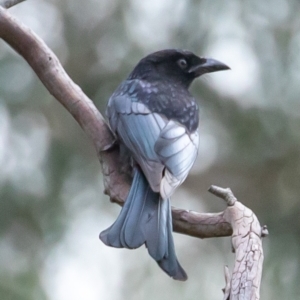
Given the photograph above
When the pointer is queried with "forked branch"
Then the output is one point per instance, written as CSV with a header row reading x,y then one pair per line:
x,y
235,220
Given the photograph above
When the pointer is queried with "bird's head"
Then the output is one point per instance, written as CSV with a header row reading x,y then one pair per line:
x,y
178,65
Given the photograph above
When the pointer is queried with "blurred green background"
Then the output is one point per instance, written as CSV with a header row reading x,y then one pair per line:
x,y
52,206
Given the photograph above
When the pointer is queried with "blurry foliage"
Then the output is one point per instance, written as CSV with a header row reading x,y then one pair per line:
x,y
52,206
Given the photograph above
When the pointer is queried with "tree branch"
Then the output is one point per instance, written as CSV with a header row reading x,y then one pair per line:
x,y
236,219
247,245
10,3
48,68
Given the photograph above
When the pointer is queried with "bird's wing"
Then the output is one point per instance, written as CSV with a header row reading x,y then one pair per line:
x,y
163,148
139,129
177,150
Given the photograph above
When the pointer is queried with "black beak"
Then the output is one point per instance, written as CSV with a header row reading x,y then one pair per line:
x,y
208,65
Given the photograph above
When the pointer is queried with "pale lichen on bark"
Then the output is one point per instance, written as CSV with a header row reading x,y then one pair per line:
x,y
244,283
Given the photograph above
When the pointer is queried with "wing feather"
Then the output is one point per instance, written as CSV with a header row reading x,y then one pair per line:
x,y
139,130
177,149
164,149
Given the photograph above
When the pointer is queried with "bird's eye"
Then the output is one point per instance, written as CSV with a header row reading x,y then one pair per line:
x,y
182,63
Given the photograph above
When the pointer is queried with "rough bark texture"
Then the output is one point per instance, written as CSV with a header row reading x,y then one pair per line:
x,y
246,242
235,220
244,283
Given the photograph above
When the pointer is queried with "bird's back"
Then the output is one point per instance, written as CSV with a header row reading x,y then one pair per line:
x,y
158,123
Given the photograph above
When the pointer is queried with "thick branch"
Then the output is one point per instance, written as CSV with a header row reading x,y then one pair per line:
x,y
48,68
247,245
201,225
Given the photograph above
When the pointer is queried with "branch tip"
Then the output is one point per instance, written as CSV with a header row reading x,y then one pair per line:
x,y
264,231
223,193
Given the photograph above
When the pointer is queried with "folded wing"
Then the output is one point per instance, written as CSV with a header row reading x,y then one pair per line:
x,y
163,148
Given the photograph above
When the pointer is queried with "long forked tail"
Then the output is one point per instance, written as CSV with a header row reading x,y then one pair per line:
x,y
146,219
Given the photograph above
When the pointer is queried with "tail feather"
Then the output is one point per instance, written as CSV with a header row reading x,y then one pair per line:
x,y
132,233
156,229
146,219
126,231
170,262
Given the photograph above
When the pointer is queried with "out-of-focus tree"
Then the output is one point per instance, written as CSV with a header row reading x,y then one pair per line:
x,y
52,206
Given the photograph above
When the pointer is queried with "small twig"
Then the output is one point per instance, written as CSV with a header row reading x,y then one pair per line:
x,y
264,231
225,194
10,3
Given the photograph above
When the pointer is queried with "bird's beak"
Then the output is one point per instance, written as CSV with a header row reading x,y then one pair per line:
x,y
208,65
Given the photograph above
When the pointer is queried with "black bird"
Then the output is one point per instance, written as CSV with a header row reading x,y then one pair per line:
x,y
155,118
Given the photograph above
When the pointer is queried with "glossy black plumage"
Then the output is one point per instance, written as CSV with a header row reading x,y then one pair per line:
x,y
155,117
